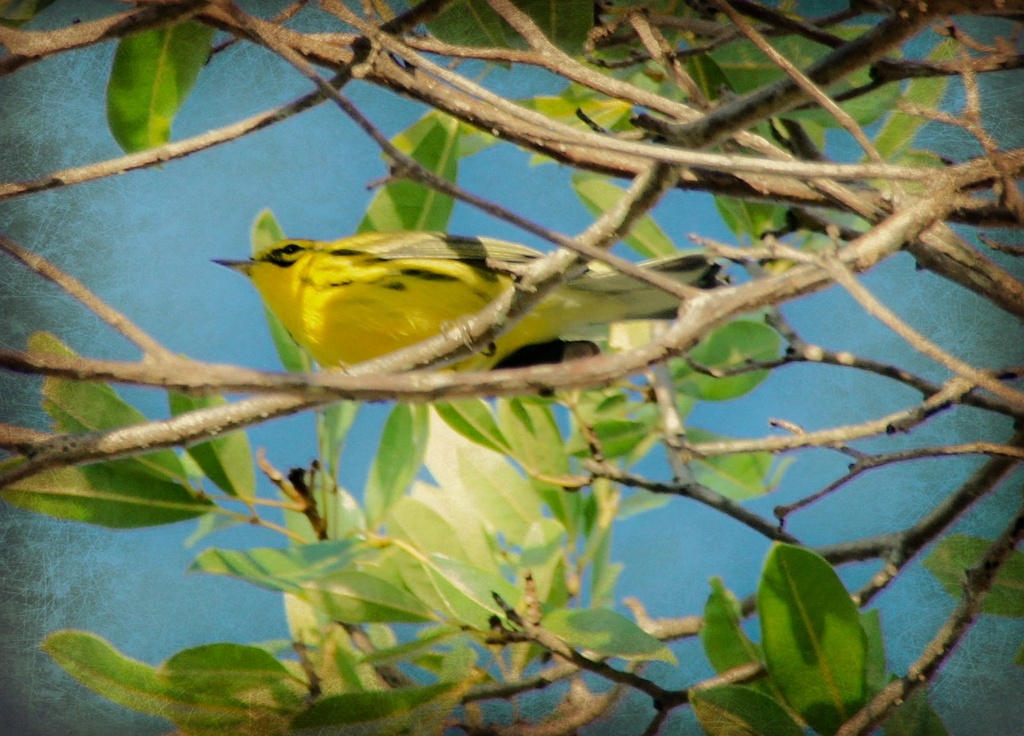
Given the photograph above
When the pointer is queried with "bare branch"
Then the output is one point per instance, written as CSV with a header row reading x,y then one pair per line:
x,y
26,47
979,581
151,349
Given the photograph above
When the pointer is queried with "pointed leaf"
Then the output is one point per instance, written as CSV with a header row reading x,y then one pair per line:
x,y
100,667
734,344
534,436
265,231
472,418
605,632
398,459
954,555
737,477
484,482
403,652
725,643
915,717
733,710
112,494
565,23
875,670
369,707
361,597
82,406
333,425
153,73
468,590
280,569
814,645
226,460
425,528
433,141
223,667
599,195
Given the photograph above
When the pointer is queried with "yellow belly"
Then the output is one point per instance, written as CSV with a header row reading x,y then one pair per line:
x,y
344,320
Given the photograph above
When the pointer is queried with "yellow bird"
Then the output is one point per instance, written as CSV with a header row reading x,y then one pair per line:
x,y
361,297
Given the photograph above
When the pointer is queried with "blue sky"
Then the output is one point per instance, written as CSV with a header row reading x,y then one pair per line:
x,y
144,241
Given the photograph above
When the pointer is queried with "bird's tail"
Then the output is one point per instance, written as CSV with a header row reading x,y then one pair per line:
x,y
638,300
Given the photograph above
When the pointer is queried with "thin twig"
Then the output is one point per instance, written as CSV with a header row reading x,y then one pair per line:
x,y
151,349
915,339
978,583
698,492
802,80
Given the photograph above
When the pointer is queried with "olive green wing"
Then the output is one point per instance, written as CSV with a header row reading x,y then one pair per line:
x,y
430,245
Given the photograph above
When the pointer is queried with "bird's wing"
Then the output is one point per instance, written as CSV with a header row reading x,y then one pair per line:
x,y
430,245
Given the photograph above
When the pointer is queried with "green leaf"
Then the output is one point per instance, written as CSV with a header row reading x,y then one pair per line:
x,y
898,133
281,569
954,555
641,502
433,141
82,406
708,75
153,73
472,418
485,483
404,652
599,195
459,591
534,436
16,13
362,597
398,459
333,425
100,667
1019,659
227,459
543,554
623,427
265,232
207,525
737,343
864,109
725,643
223,668
814,645
608,113
369,707
426,528
738,477
620,437
566,23
747,68
200,711
605,632
469,590
536,443
915,717
749,221
734,710
875,669
114,494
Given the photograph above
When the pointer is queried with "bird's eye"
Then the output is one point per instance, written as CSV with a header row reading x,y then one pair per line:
x,y
282,256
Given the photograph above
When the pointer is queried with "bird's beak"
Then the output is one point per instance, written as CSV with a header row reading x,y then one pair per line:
x,y
240,266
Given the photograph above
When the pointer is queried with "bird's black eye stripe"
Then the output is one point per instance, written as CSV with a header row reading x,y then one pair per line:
x,y
281,256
